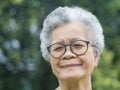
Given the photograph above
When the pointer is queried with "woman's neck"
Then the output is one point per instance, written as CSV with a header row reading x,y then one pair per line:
x,y
84,84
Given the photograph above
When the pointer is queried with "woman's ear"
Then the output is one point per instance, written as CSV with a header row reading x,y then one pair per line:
x,y
96,59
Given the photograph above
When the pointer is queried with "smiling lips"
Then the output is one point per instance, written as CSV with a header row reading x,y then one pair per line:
x,y
70,65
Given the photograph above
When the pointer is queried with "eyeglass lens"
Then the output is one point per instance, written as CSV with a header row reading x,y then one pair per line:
x,y
77,47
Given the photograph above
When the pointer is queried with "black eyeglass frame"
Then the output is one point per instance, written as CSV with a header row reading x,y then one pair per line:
x,y
65,45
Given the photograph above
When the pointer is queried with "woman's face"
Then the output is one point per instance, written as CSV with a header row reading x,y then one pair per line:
x,y
70,66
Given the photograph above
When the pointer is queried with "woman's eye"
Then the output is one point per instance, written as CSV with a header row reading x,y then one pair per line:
x,y
58,49
77,46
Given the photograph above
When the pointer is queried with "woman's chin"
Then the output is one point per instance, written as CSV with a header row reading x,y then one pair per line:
x,y
71,76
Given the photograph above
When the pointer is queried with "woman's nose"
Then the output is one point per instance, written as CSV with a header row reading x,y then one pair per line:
x,y
68,54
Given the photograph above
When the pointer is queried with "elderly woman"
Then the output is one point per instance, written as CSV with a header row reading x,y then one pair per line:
x,y
72,41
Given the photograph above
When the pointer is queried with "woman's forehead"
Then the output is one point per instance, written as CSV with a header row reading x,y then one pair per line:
x,y
69,32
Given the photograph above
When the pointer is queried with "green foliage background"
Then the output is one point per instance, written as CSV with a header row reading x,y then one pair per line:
x,y
21,64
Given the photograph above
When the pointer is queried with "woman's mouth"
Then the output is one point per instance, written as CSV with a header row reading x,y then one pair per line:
x,y
70,65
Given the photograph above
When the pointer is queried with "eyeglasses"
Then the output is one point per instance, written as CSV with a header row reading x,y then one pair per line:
x,y
78,47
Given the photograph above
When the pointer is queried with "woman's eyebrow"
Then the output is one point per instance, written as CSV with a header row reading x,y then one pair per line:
x,y
61,41
74,39
70,40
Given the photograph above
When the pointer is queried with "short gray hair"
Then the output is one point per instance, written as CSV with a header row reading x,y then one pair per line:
x,y
63,15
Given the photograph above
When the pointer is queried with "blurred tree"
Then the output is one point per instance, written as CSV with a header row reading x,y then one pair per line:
x,y
21,64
